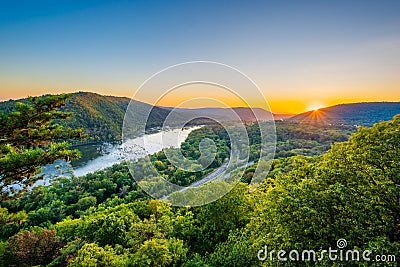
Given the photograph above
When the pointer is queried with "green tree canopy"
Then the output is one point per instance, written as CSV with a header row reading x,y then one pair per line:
x,y
29,139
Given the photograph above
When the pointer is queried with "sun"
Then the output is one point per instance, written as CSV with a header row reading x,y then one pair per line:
x,y
315,107
315,114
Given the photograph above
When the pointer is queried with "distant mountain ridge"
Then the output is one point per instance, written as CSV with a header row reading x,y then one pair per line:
x,y
102,116
365,113
223,114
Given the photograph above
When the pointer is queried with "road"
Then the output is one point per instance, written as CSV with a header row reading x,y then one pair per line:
x,y
212,176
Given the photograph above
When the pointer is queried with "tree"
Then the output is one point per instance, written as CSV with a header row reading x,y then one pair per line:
x,y
34,247
216,219
31,138
94,255
351,192
109,226
160,252
10,223
368,166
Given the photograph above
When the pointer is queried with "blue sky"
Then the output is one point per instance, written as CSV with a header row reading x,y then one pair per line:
x,y
298,52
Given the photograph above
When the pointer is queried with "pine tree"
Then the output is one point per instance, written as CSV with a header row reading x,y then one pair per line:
x,y
31,138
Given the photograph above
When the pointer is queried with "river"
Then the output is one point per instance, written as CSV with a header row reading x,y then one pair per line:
x,y
100,156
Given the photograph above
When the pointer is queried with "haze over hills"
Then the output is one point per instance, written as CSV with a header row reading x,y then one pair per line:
x,y
223,114
365,114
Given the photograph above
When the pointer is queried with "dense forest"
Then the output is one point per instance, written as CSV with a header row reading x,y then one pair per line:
x,y
327,182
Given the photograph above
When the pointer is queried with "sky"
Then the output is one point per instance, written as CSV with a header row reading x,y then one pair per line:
x,y
301,54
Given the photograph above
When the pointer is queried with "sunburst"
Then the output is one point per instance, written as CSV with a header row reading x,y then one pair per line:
x,y
315,114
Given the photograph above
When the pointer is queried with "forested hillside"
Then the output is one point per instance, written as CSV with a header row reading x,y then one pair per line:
x,y
100,116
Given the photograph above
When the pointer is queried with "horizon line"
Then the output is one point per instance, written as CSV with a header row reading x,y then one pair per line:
x,y
207,107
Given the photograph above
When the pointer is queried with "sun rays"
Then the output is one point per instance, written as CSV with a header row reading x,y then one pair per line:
x,y
317,116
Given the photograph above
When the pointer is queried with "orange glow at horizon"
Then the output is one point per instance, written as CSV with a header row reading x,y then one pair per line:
x,y
315,107
278,104
200,96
